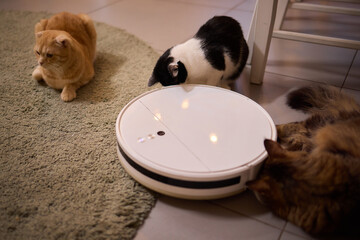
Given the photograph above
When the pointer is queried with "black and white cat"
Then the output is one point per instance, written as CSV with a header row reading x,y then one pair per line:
x,y
216,56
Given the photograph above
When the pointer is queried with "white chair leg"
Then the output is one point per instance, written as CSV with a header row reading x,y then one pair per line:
x,y
251,34
280,13
265,13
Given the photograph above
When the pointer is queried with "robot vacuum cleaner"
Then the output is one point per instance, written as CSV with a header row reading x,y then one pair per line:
x,y
193,141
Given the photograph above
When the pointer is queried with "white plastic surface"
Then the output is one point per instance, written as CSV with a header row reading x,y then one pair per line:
x,y
210,133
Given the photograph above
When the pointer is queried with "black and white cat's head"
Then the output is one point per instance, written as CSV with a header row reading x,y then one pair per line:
x,y
168,71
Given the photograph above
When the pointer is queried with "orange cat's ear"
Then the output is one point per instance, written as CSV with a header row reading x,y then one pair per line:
x,y
39,34
274,149
62,40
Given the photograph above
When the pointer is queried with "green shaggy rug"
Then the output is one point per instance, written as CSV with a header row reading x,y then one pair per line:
x,y
60,177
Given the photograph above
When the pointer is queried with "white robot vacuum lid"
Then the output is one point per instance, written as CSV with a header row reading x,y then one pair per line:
x,y
193,141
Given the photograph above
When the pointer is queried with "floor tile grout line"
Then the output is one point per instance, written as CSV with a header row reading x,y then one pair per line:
x,y
238,4
295,234
227,9
242,214
312,81
352,89
199,4
294,77
347,73
297,78
283,230
99,8
292,233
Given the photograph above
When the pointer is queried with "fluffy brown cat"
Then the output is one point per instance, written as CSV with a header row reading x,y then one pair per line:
x,y
312,175
65,50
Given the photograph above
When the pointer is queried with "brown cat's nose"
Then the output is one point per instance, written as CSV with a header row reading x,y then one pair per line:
x,y
41,63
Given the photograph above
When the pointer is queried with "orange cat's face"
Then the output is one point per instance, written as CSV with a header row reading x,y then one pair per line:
x,y
51,48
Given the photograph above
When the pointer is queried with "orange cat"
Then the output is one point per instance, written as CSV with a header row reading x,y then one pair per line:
x,y
65,50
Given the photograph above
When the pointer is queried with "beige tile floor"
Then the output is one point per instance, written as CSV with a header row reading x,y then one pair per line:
x,y
291,64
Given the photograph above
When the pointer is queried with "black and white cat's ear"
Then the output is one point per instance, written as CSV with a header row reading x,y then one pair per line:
x,y
62,40
152,80
173,69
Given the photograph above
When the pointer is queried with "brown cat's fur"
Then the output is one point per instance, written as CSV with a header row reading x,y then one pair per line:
x,y
312,175
65,49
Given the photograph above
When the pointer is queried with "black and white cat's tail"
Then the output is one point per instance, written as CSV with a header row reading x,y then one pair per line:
x,y
319,98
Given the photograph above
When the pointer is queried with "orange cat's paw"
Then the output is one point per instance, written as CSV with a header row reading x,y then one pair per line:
x,y
37,75
68,95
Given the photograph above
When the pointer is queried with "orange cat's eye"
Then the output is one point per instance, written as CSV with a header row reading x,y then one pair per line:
x,y
49,55
37,52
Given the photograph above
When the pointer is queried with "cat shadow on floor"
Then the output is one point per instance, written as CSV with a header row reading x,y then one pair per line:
x,y
102,87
